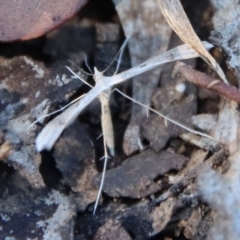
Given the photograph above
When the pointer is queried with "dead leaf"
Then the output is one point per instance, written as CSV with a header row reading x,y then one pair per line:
x,y
22,20
178,20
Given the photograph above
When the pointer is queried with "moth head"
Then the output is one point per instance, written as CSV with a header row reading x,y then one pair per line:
x,y
97,75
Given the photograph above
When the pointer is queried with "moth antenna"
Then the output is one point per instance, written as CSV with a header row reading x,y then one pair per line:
x,y
119,60
120,53
73,63
70,70
99,136
87,65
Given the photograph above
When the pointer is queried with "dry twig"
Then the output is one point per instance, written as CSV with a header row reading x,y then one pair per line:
x,y
203,80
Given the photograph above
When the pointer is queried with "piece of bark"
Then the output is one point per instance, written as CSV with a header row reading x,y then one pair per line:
x,y
198,159
23,156
25,83
27,89
149,35
162,215
187,176
112,230
129,218
135,177
34,214
202,142
180,205
205,122
190,225
176,105
75,159
155,221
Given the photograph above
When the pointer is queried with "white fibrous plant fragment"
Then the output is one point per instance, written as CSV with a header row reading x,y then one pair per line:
x,y
178,20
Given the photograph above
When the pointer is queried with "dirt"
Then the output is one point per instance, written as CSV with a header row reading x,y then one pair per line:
x,y
151,194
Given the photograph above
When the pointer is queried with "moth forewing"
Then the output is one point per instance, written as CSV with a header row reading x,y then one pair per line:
x,y
51,132
178,53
